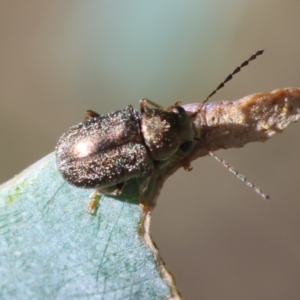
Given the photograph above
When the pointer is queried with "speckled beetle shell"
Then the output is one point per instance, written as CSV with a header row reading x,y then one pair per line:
x,y
110,149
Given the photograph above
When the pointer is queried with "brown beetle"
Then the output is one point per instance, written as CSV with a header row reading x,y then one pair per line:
x,y
107,150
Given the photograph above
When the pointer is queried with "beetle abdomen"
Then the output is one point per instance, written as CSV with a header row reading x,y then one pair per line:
x,y
103,151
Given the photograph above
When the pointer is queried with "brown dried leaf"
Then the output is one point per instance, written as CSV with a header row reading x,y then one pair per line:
x,y
254,118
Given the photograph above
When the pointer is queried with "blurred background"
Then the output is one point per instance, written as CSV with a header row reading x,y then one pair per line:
x,y
60,58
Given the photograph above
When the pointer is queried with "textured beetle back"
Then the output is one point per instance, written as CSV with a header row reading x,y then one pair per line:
x,y
103,151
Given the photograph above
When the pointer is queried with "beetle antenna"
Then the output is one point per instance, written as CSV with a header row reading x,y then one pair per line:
x,y
239,176
229,77
221,160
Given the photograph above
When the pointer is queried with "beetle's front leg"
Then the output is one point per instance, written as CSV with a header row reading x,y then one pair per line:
x,y
90,114
144,102
186,164
94,202
170,108
95,197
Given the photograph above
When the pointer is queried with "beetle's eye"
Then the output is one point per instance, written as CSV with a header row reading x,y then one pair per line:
x,y
178,109
186,146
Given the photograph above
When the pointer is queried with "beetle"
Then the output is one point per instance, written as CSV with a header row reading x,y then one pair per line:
x,y
105,151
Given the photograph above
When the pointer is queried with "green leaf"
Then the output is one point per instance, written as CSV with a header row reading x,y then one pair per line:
x,y
51,248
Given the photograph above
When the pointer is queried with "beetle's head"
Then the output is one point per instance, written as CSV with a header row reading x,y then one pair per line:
x,y
167,132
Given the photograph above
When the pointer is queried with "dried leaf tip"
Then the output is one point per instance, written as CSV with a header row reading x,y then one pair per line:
x,y
254,118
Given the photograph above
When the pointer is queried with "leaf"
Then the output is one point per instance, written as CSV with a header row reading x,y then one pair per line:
x,y
51,248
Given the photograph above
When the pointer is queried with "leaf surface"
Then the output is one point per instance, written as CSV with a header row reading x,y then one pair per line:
x,y
51,248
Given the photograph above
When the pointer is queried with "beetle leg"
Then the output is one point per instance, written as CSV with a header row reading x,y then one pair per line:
x,y
145,186
170,108
94,202
95,197
90,114
186,165
143,104
119,189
